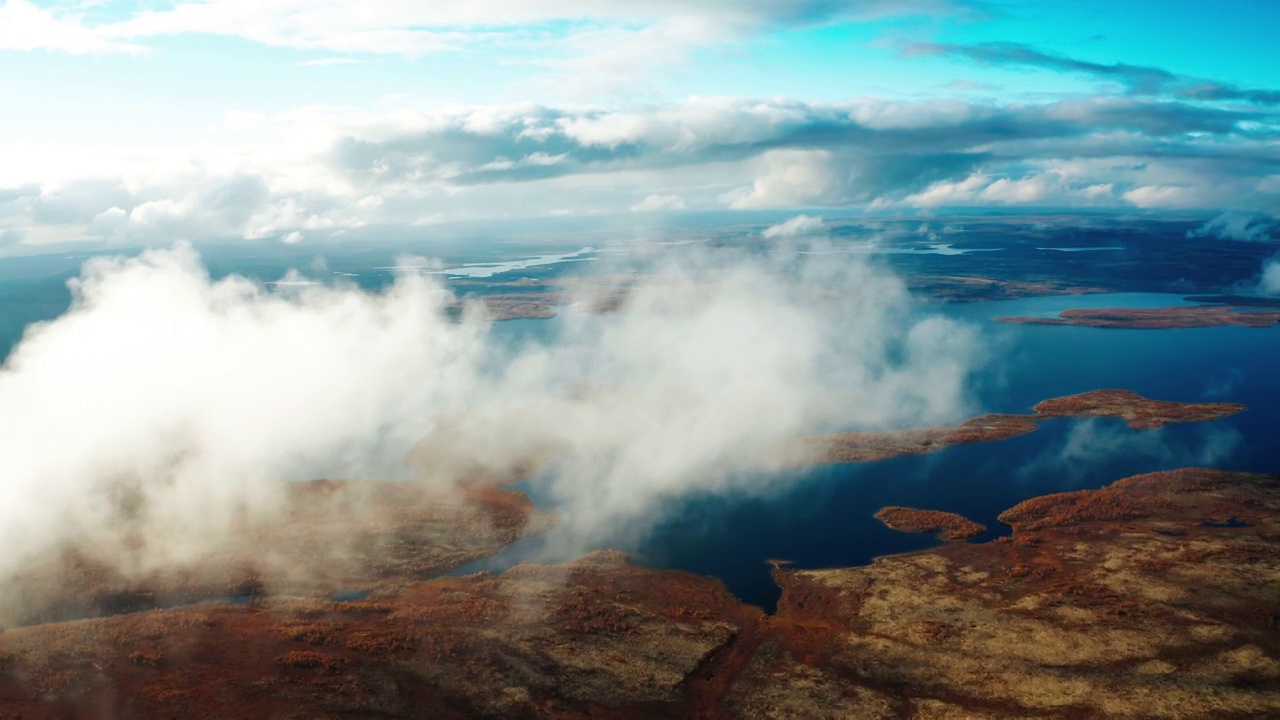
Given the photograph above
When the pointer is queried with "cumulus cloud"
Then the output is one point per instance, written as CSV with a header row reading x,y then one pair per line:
x,y
191,398
168,406
790,178
1161,196
659,202
1050,187
704,381
798,225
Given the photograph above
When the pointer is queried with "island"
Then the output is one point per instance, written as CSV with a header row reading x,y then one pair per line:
x,y
1119,602
1140,412
948,526
1164,318
857,447
539,305
1236,300
513,305
965,288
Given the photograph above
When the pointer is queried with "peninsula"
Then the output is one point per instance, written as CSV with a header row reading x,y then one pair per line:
x,y
1165,318
1138,411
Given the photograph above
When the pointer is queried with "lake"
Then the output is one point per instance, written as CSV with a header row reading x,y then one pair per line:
x,y
824,517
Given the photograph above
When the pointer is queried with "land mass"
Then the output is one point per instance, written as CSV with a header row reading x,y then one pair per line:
x,y
1166,318
1236,300
1152,598
329,536
332,536
965,288
513,306
858,447
948,526
1140,412
541,305
1137,600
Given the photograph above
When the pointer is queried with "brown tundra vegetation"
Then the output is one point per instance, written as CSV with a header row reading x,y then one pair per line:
x,y
1155,597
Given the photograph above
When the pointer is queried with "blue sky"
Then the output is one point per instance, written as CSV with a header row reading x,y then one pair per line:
x,y
284,119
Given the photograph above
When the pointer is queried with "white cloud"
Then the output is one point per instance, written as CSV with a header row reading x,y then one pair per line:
x,y
1051,186
798,225
790,178
963,192
1269,284
1024,191
328,62
1236,225
323,170
659,202
584,48
194,397
1160,196
26,26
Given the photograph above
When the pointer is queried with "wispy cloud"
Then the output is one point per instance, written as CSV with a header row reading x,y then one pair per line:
x,y
1091,445
1141,80
326,62
405,27
573,50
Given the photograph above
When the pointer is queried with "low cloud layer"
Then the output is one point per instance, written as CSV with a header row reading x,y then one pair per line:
x,y
1269,284
168,405
798,225
323,173
1249,227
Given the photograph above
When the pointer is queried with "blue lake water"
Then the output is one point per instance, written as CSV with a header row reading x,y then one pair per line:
x,y
824,517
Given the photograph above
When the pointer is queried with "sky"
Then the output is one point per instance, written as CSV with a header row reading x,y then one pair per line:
x,y
151,121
